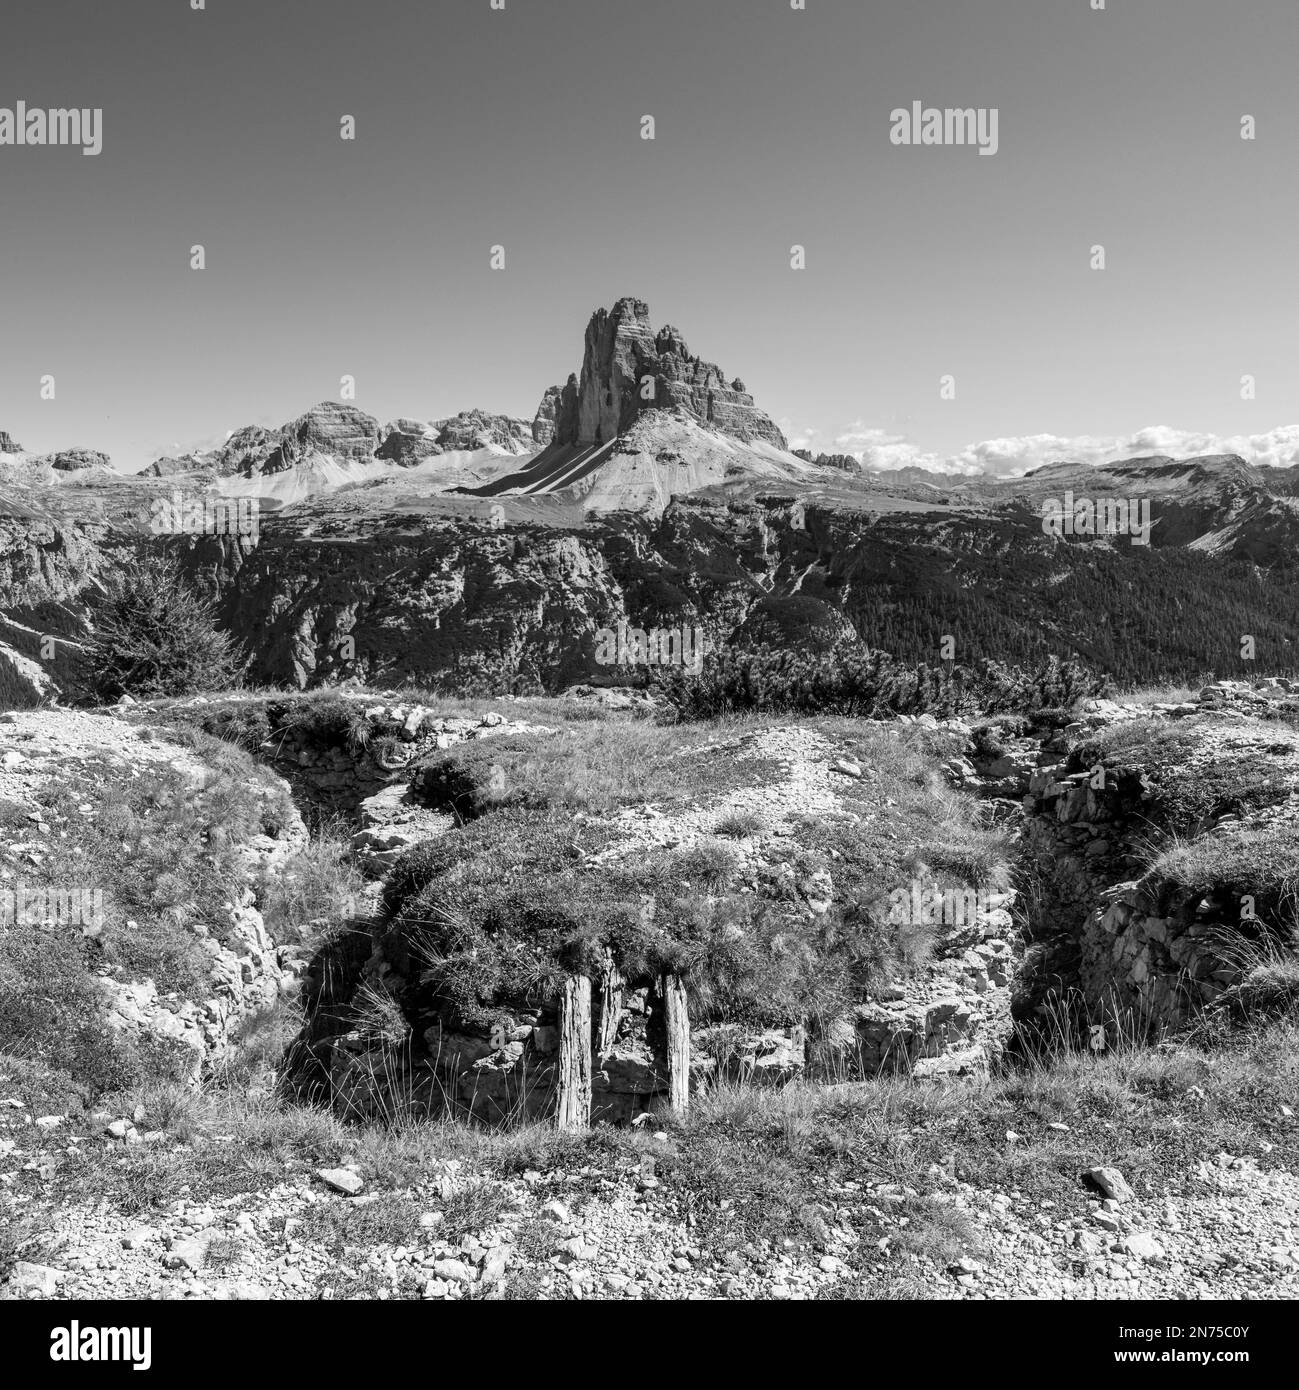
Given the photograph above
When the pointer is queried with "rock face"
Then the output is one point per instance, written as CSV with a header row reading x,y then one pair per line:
x,y
73,460
1126,932
628,368
845,462
408,442
341,431
8,444
477,429
245,451
551,408
169,467
244,978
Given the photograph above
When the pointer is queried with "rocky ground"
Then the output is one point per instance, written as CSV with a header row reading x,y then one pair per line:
x,y
611,1230
129,1202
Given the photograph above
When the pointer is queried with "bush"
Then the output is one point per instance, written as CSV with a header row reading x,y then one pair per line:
x,y
859,682
156,636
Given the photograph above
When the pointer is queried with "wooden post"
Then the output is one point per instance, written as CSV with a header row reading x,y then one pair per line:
x,y
610,1009
677,1018
575,1053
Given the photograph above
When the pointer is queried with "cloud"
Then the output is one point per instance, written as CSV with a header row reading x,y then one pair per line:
x,y
808,437
1018,454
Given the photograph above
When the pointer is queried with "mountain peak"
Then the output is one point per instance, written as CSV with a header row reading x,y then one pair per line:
x,y
627,369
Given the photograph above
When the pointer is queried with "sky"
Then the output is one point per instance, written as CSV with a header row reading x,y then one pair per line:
x,y
521,127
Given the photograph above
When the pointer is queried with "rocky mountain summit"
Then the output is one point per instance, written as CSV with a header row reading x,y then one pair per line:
x,y
628,368
408,442
649,489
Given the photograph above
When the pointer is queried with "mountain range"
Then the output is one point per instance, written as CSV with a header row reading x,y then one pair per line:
x,y
650,488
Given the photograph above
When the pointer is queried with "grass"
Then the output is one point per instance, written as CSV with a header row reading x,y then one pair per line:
x,y
1189,779
740,825
1261,863
166,854
753,1172
1164,694
316,890
482,923
590,767
391,1219
762,1151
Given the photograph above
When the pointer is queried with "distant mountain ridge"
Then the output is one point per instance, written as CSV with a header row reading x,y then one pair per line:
x,y
649,488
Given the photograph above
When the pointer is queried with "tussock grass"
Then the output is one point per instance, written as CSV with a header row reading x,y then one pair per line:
x,y
315,892
591,767
391,1219
1186,790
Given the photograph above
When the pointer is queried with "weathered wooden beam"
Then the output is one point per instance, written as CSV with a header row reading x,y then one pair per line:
x,y
575,1053
677,1018
611,983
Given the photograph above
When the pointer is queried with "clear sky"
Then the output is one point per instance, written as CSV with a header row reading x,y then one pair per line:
x,y
522,127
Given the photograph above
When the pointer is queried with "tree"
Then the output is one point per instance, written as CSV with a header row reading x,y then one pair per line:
x,y
155,635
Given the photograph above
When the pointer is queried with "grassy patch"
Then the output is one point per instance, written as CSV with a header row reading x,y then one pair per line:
x,y
390,1219
593,767
1183,788
314,892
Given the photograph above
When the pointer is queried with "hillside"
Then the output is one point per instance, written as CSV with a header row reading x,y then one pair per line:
x,y
893,1086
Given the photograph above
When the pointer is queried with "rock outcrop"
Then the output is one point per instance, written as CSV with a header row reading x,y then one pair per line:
x,y
478,429
1154,913
245,451
240,971
74,460
627,368
168,467
553,405
341,431
408,442
8,444
844,462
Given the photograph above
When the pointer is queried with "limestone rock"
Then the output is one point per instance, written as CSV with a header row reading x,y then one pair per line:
x,y
1111,1182
28,1277
70,460
342,1180
627,368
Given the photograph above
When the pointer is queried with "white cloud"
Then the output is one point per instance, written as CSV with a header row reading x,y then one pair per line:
x,y
1017,454
808,437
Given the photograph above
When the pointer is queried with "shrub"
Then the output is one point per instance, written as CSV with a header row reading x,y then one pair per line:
x,y
860,682
154,635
